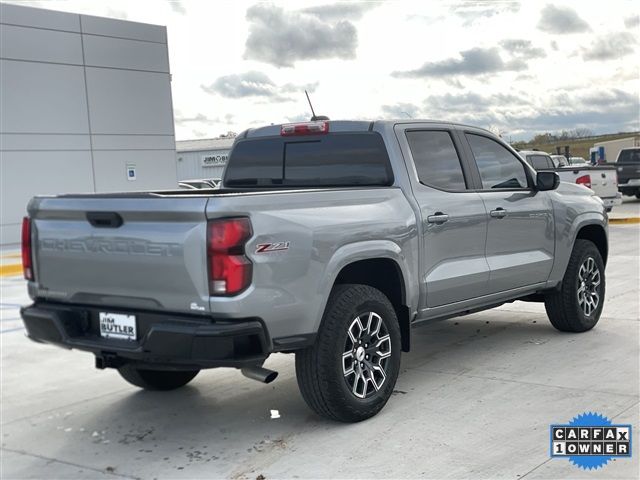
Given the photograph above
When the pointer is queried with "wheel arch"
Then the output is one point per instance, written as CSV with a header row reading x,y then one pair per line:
x,y
381,265
383,274
596,234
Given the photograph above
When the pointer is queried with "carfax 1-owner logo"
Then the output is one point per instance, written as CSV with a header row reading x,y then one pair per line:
x,y
590,440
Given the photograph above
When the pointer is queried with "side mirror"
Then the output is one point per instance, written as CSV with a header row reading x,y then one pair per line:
x,y
547,181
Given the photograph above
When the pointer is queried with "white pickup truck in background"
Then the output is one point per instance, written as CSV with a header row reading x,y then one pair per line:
x,y
603,180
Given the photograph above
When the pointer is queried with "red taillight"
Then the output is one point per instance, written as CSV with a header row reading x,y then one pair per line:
x,y
308,128
27,264
229,269
584,180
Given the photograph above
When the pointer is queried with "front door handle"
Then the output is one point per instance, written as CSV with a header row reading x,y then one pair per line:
x,y
438,218
498,213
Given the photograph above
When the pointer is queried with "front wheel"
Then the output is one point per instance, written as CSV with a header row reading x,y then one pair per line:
x,y
577,306
350,372
156,379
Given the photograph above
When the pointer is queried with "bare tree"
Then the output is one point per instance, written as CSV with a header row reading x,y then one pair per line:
x,y
583,132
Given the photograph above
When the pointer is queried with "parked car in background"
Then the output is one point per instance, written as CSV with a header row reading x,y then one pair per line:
x,y
601,179
628,166
559,160
199,184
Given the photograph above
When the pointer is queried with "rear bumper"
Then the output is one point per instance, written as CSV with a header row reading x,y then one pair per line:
x,y
164,339
613,201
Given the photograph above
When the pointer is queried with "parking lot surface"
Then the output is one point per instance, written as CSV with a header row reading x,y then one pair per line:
x,y
475,399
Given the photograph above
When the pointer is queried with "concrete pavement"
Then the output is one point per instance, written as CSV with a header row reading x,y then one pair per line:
x,y
475,399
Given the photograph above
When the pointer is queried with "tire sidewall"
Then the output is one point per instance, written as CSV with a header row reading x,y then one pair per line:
x,y
344,319
588,321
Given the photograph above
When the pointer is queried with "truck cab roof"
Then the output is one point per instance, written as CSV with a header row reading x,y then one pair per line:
x,y
350,126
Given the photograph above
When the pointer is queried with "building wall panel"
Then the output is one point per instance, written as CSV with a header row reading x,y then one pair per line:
x,y
42,98
121,53
35,44
125,102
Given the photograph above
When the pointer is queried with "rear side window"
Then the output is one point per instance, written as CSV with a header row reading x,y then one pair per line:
x,y
436,159
498,167
540,162
338,159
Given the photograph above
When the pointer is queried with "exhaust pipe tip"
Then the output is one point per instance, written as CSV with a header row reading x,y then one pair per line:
x,y
260,374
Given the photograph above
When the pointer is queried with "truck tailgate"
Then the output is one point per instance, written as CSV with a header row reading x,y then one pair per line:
x,y
121,251
604,182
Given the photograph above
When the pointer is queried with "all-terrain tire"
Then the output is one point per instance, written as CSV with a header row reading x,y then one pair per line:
x,y
156,379
320,369
563,306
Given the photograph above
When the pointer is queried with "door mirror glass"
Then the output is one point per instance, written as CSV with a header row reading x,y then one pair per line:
x,y
547,181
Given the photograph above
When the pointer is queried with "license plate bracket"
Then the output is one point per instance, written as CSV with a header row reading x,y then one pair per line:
x,y
118,326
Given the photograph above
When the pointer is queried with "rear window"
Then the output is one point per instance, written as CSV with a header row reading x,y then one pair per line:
x,y
540,162
337,159
632,156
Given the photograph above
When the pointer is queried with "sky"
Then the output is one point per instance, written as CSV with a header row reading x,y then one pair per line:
x,y
517,68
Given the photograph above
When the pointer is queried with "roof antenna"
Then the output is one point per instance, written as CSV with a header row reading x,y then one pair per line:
x,y
314,117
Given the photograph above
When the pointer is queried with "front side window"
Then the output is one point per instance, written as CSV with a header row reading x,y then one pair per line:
x,y
436,159
498,167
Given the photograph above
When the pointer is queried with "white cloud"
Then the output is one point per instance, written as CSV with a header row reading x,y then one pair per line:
x,y
482,62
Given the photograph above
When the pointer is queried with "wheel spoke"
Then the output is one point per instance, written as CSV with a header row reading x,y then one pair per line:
x,y
346,356
380,370
367,344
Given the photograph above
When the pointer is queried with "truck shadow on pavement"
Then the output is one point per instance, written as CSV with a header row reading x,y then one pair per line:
x,y
222,415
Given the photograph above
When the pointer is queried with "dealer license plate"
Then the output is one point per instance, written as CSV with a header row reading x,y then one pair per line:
x,y
116,325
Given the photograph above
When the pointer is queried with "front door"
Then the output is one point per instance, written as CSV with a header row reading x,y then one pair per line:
x,y
520,232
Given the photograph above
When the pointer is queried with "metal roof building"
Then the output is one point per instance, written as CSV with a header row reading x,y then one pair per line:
x,y
202,158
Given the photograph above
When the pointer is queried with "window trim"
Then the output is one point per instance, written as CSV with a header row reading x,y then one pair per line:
x,y
466,176
472,159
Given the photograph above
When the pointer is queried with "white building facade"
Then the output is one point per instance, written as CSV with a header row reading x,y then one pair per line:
x,y
85,106
203,158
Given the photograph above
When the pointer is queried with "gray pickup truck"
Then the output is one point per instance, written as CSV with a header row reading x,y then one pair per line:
x,y
328,239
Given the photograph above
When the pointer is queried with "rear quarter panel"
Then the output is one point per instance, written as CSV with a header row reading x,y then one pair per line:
x,y
325,230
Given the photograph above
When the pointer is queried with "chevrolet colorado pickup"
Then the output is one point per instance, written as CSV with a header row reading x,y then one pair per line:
x,y
327,239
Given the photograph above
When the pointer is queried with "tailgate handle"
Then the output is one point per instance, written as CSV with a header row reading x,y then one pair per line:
x,y
104,219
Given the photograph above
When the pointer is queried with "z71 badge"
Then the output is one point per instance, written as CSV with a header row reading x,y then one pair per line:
x,y
272,247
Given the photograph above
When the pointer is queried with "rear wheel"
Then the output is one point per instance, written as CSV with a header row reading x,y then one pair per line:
x,y
350,372
156,379
577,306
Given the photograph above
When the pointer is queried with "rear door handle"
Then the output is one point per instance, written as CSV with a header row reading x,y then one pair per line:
x,y
438,218
498,213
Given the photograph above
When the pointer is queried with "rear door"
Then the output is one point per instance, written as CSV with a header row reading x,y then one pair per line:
x,y
129,252
520,232
453,223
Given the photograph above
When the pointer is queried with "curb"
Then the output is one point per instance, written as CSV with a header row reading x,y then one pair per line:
x,y
10,269
627,220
